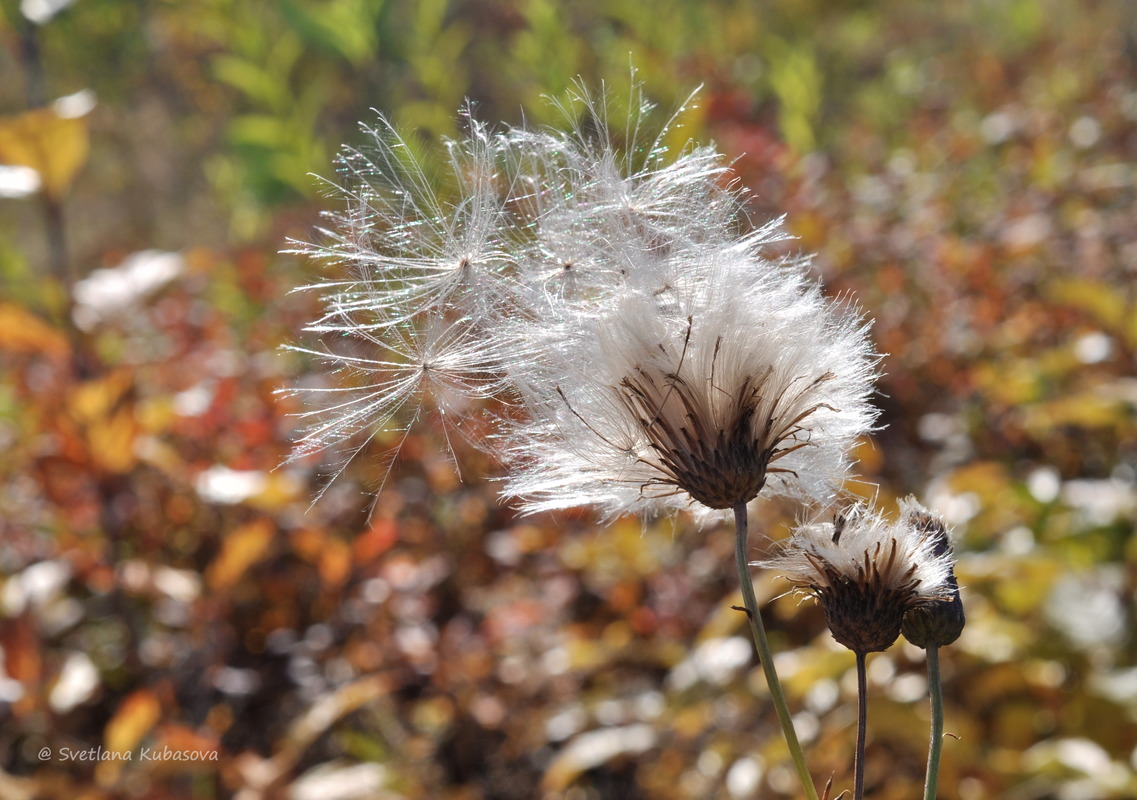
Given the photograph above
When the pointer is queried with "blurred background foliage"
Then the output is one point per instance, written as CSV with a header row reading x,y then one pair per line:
x,y
966,170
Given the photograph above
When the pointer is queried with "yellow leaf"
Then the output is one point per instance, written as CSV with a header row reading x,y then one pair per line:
x,y
111,442
106,410
136,716
279,490
1095,408
982,477
157,415
98,399
1102,300
242,548
54,146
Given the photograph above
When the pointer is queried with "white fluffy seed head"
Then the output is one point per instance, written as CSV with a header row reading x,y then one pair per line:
x,y
656,356
732,375
867,571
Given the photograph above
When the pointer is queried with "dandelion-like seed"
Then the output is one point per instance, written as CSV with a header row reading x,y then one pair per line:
x,y
383,386
695,369
415,238
867,572
705,396
423,258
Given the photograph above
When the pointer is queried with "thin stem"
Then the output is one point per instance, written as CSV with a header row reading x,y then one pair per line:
x,y
935,689
28,51
764,654
862,728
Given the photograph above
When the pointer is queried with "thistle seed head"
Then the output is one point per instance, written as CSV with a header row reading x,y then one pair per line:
x,y
867,573
701,396
653,354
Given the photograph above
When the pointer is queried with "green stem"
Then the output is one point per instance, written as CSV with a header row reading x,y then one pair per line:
x,y
764,654
862,729
935,689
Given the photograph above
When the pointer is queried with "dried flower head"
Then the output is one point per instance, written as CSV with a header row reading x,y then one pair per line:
x,y
699,393
690,369
866,572
941,622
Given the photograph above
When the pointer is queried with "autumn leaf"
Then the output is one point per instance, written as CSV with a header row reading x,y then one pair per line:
x,y
111,442
335,563
1097,298
24,332
374,541
55,145
241,549
109,420
135,717
22,658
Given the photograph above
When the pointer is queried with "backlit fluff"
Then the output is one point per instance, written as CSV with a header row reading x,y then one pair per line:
x,y
654,354
867,572
422,257
414,237
699,393
383,382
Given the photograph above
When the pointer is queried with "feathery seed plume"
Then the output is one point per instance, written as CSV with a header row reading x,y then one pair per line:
x,y
656,355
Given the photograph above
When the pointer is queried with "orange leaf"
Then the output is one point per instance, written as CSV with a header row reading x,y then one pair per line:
x,y
335,563
111,442
308,543
242,548
136,716
23,332
375,541
22,660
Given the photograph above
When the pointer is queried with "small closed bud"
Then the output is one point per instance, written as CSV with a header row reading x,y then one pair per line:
x,y
941,622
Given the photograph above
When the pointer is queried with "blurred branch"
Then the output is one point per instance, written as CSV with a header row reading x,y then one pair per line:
x,y
28,53
262,776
